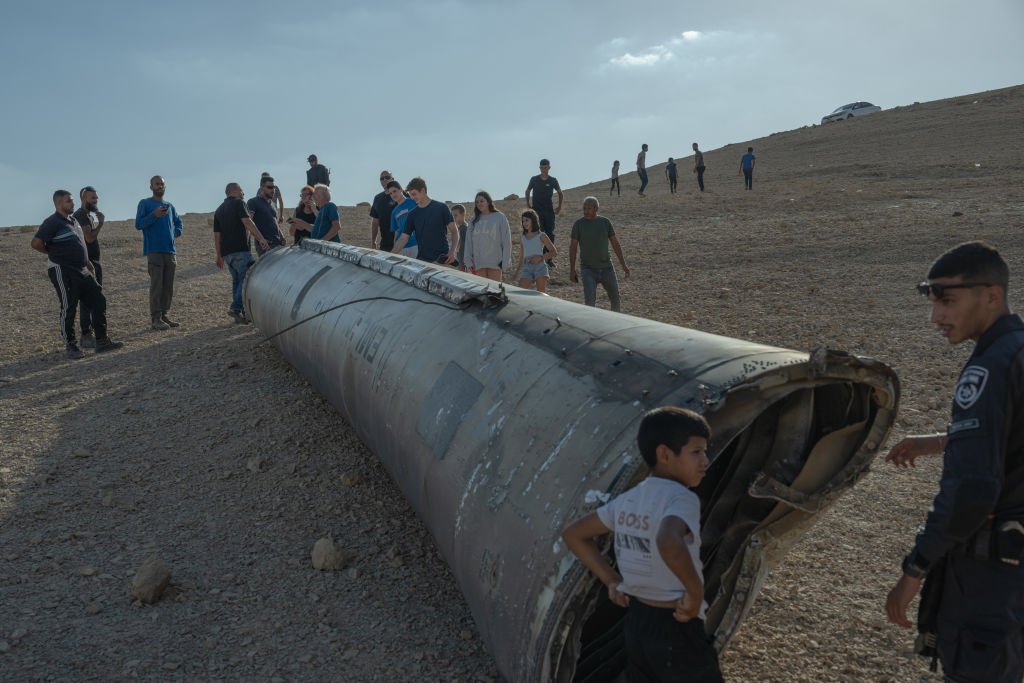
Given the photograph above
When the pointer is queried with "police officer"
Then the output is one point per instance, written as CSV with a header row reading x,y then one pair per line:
x,y
974,532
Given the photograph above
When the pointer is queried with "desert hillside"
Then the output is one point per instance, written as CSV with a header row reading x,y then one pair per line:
x,y
202,446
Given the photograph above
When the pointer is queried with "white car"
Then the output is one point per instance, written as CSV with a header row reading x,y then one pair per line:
x,y
848,111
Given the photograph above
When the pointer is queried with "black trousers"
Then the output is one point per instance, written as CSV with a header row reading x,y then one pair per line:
x,y
72,286
700,177
547,222
84,312
659,648
748,178
672,181
981,621
615,186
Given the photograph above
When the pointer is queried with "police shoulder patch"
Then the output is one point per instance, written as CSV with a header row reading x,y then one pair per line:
x,y
972,383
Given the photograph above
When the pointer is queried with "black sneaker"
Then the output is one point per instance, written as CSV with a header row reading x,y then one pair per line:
x,y
167,321
104,344
159,324
74,352
239,317
88,340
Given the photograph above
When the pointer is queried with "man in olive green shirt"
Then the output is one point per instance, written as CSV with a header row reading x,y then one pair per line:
x,y
591,236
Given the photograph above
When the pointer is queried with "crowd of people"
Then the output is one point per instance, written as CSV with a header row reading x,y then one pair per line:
x,y
404,220
969,552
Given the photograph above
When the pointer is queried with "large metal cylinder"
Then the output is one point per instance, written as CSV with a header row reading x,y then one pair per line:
x,y
503,414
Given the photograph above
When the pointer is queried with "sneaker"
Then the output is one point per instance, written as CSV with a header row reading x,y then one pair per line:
x,y
104,344
89,340
159,324
74,352
239,317
167,321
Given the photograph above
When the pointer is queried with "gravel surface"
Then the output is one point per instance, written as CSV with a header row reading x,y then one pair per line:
x,y
202,447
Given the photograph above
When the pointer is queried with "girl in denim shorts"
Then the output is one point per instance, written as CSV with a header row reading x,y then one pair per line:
x,y
536,251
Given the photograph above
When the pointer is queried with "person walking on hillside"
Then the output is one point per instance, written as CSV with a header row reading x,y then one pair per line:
x,y
591,236
161,226
488,239
641,169
747,168
71,272
670,174
317,174
698,166
543,186
91,231
615,180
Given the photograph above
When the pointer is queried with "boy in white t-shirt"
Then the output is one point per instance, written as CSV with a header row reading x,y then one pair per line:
x,y
657,549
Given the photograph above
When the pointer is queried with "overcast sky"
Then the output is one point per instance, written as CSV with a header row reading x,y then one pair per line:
x,y
468,94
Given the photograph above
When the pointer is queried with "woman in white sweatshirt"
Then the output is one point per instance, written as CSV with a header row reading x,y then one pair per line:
x,y
488,239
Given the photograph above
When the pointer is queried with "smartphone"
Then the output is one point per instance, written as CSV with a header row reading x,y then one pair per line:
x,y
165,206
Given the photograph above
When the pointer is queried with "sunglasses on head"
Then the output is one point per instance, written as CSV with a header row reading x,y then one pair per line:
x,y
386,177
937,291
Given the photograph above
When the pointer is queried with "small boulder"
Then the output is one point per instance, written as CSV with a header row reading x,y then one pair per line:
x,y
327,556
150,580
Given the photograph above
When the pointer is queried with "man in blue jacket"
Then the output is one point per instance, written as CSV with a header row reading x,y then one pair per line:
x,y
160,225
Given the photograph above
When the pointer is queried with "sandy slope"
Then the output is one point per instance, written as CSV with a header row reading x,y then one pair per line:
x,y
207,449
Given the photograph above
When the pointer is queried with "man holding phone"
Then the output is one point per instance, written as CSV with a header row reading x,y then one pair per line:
x,y
160,225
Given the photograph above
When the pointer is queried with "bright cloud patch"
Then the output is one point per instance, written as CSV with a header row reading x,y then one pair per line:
x,y
691,35
650,57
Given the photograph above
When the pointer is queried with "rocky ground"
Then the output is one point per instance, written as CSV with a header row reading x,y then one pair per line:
x,y
204,448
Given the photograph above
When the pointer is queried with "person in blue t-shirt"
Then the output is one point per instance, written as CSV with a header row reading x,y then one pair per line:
x,y
328,221
403,206
432,223
747,168
670,173
160,226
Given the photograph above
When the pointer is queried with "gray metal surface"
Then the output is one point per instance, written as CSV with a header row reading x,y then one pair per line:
x,y
503,419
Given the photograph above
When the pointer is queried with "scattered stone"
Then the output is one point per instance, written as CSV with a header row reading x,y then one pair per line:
x,y
151,580
18,634
4,646
232,364
108,501
93,609
466,634
88,571
327,557
81,453
351,479
957,213
254,463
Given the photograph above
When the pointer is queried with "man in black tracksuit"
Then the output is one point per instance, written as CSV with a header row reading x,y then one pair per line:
x,y
71,272
975,530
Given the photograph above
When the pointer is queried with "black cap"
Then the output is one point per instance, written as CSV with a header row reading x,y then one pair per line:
x,y
311,157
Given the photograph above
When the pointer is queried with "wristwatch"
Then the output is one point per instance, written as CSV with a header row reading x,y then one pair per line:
x,y
912,569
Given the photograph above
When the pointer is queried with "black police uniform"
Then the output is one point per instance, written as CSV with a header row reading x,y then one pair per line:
x,y
971,525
